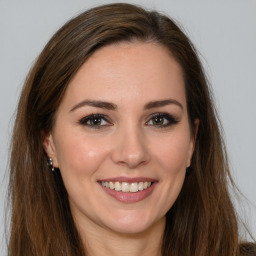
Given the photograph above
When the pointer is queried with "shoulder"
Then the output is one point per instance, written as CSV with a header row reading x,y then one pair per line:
x,y
247,249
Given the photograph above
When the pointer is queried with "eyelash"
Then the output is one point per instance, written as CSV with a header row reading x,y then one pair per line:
x,y
171,120
84,121
167,119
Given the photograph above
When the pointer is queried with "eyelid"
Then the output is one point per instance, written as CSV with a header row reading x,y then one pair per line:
x,y
172,120
83,121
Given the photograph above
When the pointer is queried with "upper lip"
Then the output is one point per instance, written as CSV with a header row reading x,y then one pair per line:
x,y
129,179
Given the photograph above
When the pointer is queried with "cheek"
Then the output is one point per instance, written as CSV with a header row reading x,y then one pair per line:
x,y
172,153
80,155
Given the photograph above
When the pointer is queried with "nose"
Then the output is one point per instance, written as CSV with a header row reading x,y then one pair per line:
x,y
130,149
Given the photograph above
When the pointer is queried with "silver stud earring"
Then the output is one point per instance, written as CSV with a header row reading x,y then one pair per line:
x,y
50,163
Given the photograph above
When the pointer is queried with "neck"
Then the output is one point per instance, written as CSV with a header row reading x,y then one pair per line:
x,y
101,241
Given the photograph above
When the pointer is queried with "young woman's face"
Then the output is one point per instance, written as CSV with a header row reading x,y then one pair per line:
x,y
122,139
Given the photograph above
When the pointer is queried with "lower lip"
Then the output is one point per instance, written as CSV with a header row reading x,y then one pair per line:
x,y
129,197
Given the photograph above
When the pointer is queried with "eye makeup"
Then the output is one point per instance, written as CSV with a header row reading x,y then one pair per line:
x,y
95,121
156,120
162,120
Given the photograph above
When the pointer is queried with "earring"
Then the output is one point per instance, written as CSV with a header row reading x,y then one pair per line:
x,y
188,170
50,163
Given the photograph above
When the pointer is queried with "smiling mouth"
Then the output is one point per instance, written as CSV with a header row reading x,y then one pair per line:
x,y
126,187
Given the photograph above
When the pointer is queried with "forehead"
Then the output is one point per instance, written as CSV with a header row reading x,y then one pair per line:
x,y
125,71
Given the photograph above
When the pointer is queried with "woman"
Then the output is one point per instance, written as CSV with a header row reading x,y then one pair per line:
x,y
116,145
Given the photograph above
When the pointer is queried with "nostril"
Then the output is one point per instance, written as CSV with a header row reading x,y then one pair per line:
x,y
130,151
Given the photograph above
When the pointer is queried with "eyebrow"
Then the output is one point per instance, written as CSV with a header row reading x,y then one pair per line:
x,y
112,106
96,104
162,103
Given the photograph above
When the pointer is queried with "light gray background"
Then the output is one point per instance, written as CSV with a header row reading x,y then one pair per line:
x,y
223,31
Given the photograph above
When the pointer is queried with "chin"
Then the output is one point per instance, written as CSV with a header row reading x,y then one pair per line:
x,y
132,223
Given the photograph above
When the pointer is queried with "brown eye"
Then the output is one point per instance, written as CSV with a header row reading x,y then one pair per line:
x,y
158,120
95,121
161,120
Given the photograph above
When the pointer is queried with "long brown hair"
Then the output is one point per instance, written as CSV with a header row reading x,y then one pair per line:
x,y
201,222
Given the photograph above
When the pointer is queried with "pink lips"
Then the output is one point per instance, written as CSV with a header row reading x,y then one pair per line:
x,y
129,197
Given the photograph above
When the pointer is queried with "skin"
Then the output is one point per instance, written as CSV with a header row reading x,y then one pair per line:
x,y
129,143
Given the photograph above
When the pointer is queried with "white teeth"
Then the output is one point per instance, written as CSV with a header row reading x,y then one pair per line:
x,y
134,187
126,187
141,187
118,186
111,185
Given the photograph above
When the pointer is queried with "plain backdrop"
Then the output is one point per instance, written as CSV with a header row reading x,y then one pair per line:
x,y
224,32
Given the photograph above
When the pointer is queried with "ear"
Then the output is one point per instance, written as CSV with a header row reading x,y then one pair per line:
x,y
193,140
49,147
